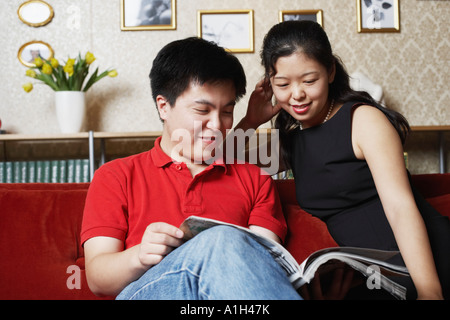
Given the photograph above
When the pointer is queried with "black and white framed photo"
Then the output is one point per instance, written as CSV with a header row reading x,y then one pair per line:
x,y
312,15
148,15
231,29
378,15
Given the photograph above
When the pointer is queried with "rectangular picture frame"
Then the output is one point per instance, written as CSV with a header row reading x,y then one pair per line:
x,y
378,16
141,15
231,29
312,15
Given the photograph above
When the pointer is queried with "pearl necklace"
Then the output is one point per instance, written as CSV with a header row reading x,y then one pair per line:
x,y
326,118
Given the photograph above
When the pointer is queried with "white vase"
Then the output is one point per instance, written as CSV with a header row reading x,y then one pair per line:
x,y
70,110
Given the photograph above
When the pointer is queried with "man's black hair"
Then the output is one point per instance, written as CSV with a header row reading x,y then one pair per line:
x,y
193,60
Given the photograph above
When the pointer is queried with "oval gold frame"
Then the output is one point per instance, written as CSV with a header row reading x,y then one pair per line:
x,y
41,23
24,47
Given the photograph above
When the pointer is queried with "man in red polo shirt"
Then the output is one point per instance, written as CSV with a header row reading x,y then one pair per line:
x,y
132,242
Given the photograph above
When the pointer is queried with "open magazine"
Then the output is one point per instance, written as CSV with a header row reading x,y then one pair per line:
x,y
299,274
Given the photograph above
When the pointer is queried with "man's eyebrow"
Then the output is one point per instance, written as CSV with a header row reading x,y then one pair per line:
x,y
209,103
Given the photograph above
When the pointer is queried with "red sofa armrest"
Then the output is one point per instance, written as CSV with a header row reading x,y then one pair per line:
x,y
40,237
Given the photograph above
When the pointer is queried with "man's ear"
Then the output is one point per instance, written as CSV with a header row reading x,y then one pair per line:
x,y
163,107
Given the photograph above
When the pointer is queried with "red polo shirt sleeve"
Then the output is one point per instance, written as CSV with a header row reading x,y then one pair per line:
x,y
106,209
267,212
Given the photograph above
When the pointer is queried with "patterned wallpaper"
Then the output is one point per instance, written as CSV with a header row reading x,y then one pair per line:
x,y
412,66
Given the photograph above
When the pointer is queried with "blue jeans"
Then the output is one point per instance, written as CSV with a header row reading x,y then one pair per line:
x,y
221,263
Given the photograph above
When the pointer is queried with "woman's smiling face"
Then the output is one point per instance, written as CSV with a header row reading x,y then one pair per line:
x,y
300,85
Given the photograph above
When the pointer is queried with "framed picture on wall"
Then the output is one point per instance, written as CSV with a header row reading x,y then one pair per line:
x,y
378,16
36,13
231,29
32,50
313,15
138,15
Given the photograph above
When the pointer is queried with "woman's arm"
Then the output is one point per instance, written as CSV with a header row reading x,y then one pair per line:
x,y
259,111
375,140
260,108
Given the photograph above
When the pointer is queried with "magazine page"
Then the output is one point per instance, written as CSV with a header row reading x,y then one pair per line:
x,y
193,225
358,258
366,255
335,259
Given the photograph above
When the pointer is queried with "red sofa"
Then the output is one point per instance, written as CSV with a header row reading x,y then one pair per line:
x,y
41,256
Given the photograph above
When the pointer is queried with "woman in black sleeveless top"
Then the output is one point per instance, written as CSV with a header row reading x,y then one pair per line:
x,y
346,153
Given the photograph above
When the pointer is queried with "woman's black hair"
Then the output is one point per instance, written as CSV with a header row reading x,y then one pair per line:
x,y
308,37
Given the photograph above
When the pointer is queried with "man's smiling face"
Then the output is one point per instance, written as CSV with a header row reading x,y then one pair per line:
x,y
196,125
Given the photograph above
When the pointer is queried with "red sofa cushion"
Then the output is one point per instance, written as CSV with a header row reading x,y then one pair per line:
x,y
435,188
441,204
432,185
306,234
39,232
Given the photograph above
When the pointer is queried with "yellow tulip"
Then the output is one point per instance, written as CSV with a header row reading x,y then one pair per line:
x,y
54,62
30,73
90,57
38,62
47,69
70,62
27,87
112,73
54,73
68,69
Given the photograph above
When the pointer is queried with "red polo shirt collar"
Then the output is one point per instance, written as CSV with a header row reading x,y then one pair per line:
x,y
161,159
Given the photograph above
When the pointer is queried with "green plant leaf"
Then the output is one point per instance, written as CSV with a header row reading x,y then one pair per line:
x,y
48,80
94,78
